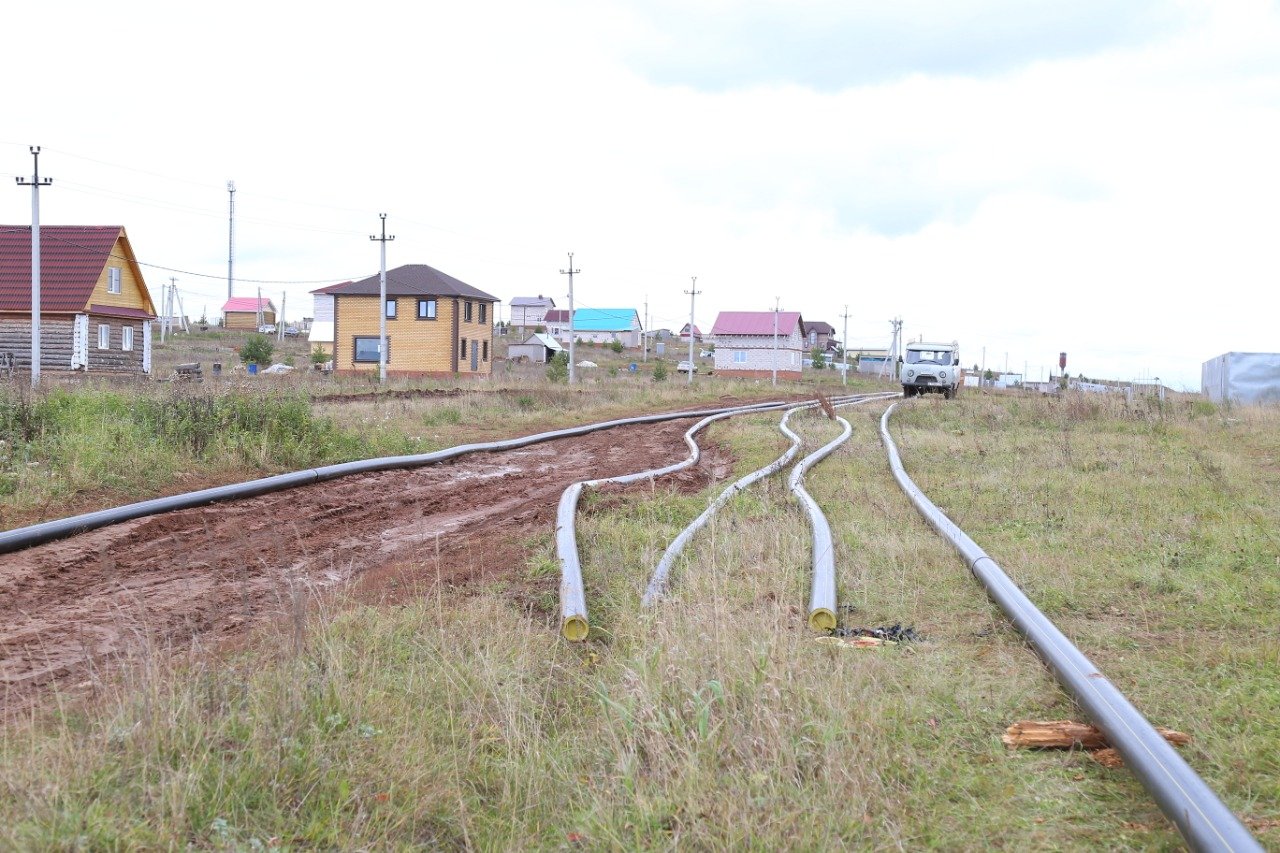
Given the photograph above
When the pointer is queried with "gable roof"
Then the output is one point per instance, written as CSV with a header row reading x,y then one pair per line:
x,y
412,280
248,304
820,327
755,322
532,301
557,315
72,258
604,319
330,288
546,340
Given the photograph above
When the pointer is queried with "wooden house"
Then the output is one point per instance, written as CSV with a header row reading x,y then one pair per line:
x,y
436,324
95,309
242,312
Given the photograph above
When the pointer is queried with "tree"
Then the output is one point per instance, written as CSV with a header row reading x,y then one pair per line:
x,y
558,367
616,345
660,372
257,350
819,358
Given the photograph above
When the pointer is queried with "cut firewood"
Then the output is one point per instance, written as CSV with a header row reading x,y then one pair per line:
x,y
1068,734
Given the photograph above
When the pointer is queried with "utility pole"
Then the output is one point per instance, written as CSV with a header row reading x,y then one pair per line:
x,y
258,315
644,349
777,303
382,299
891,365
35,183
693,292
284,294
231,235
844,348
572,352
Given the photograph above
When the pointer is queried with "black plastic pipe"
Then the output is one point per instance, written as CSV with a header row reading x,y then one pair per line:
x,y
1204,821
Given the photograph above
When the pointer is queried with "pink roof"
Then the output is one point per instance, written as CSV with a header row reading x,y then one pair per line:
x,y
247,304
754,322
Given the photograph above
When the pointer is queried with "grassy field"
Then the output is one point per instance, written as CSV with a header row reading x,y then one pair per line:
x,y
716,721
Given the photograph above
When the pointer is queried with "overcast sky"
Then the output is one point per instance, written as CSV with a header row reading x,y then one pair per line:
x,y
1098,177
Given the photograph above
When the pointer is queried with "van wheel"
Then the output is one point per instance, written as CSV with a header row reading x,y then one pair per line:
x,y
948,393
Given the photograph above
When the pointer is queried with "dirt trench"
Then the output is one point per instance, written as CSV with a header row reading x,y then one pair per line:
x,y
72,609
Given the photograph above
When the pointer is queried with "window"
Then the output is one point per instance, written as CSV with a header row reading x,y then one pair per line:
x,y
426,309
126,338
739,356
462,349
113,281
104,336
366,349
484,347
391,309
466,311
484,312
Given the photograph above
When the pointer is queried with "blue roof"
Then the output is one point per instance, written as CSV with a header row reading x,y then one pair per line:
x,y
605,319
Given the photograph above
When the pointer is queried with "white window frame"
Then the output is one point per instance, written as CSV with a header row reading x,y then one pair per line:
x,y
391,308
104,336
126,338
113,279
739,356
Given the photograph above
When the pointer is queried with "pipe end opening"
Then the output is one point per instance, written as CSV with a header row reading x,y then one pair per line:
x,y
822,619
575,629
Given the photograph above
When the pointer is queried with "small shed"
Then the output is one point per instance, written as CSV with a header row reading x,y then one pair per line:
x,y
539,348
1242,377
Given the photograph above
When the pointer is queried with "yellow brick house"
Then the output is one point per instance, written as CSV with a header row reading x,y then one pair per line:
x,y
436,325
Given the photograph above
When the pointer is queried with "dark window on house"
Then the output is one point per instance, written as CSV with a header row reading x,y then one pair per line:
x,y
466,311
426,309
391,309
484,350
462,349
484,312
366,349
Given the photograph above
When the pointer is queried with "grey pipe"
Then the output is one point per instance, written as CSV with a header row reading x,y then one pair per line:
x,y
574,624
822,598
48,531
1204,821
660,580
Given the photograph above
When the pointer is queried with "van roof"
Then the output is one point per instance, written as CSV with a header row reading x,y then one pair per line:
x,y
932,345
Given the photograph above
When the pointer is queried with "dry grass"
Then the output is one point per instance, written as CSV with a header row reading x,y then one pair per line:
x,y
715,722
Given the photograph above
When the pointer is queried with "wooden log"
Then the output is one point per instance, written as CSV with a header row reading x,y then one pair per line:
x,y
1068,734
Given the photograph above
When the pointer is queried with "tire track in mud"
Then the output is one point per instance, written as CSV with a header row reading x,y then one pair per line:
x,y
205,576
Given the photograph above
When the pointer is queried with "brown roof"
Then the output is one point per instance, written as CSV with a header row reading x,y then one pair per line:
x,y
71,261
557,315
820,327
412,280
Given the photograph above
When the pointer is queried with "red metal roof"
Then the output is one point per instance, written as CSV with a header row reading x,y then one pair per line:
x,y
248,304
556,315
754,322
72,258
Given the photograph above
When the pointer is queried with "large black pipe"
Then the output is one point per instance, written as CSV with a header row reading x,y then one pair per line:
x,y
1204,821
48,531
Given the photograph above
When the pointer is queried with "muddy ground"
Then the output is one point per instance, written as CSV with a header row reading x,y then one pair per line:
x,y
74,610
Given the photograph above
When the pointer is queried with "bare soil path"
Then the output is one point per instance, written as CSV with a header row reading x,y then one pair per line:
x,y
72,608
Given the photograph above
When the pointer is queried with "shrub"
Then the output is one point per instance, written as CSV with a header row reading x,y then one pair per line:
x,y
660,372
257,350
558,367
318,355
616,346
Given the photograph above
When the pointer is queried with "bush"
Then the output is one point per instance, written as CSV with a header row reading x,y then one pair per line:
x,y
660,372
558,367
318,355
257,350
616,346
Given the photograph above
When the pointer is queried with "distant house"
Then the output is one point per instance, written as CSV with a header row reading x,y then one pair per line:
x,y
684,334
745,343
820,335
95,309
605,325
557,322
436,324
538,348
530,311
243,312
320,334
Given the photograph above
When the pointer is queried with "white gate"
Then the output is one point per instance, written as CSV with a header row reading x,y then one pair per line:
x,y
80,343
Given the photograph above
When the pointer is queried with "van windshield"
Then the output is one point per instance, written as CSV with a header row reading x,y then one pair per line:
x,y
928,356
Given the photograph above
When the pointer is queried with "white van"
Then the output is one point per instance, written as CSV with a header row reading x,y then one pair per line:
x,y
931,367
